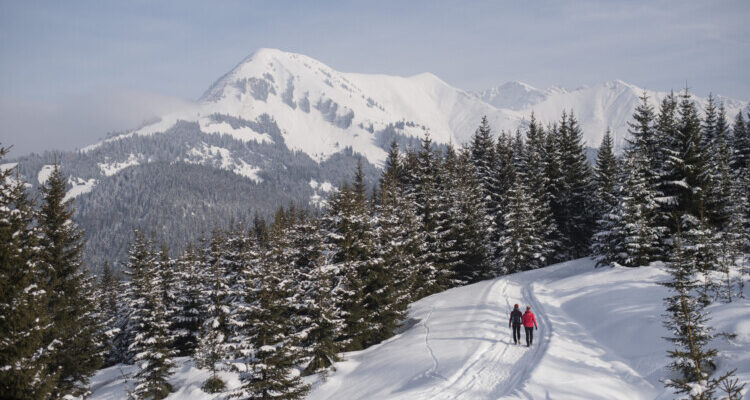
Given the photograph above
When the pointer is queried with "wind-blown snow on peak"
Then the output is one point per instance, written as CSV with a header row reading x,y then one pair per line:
x,y
321,111
513,95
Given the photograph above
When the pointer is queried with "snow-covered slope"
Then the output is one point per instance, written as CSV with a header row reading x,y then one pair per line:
x,y
600,337
597,108
322,111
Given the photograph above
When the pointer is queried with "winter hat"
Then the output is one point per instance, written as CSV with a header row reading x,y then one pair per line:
x,y
516,306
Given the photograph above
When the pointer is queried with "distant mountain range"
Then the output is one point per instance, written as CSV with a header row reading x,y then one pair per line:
x,y
284,127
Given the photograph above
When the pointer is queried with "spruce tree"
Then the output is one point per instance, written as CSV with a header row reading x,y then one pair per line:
x,y
465,245
434,274
606,177
686,170
534,181
484,160
109,310
148,328
270,371
687,321
188,318
575,219
522,246
212,347
636,228
325,322
26,342
70,300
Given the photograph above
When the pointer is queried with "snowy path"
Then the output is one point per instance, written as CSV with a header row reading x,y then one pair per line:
x,y
462,347
600,337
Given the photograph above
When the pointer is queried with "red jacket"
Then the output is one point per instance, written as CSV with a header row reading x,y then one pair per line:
x,y
528,319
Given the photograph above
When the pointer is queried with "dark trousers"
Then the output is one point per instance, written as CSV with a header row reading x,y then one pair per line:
x,y
529,335
516,333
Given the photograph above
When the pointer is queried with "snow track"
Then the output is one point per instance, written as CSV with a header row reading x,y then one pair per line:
x,y
599,337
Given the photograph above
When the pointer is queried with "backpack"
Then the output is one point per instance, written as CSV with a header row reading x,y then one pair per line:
x,y
516,317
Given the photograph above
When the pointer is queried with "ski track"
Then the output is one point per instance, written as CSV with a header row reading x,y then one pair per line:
x,y
502,366
435,362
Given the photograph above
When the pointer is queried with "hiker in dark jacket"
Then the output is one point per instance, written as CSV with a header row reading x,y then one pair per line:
x,y
529,323
515,321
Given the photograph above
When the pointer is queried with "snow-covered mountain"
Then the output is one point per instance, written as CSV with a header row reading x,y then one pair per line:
x,y
283,127
515,95
320,110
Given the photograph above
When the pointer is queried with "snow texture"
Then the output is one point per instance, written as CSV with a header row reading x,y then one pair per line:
x,y
321,111
109,169
79,187
44,173
600,337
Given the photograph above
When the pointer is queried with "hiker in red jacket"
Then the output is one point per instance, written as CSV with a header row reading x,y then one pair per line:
x,y
529,323
515,322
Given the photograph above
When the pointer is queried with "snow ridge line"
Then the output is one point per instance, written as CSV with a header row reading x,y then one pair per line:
x,y
526,365
435,362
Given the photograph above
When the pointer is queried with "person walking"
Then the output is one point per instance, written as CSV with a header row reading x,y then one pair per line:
x,y
529,323
515,322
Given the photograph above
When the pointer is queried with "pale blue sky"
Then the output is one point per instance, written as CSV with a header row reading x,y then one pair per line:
x,y
70,71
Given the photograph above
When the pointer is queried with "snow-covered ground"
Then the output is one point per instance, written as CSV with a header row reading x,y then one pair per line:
x,y
600,337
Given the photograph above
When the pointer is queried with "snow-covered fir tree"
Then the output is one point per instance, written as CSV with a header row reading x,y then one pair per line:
x,y
635,226
270,370
690,333
150,344
574,216
324,320
70,290
605,243
434,275
484,160
26,342
466,248
212,347
187,319
522,246
536,183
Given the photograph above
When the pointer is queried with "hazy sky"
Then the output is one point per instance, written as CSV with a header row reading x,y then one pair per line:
x,y
72,71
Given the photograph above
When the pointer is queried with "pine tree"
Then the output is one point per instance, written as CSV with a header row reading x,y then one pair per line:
x,y
505,172
575,219
148,327
25,343
687,321
554,174
606,178
109,310
484,160
521,244
399,239
686,171
741,145
350,236
324,319
640,238
269,371
187,319
434,274
465,245
666,134
70,300
212,347
534,181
